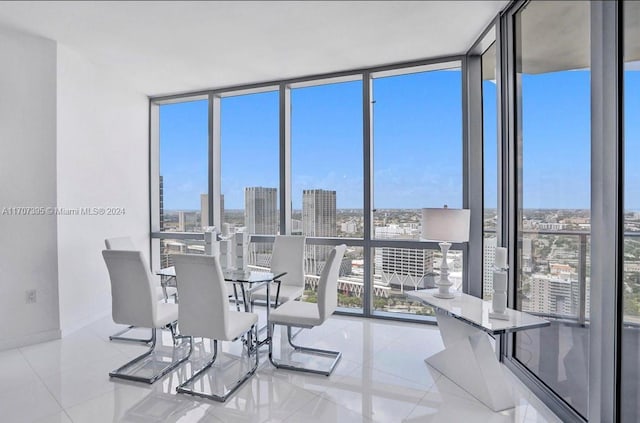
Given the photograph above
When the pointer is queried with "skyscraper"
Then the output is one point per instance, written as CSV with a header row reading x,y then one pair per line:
x,y
487,266
318,219
261,213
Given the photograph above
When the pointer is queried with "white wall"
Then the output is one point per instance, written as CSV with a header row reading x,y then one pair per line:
x,y
102,155
28,254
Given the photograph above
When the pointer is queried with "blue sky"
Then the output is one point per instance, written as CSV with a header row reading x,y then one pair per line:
x,y
417,143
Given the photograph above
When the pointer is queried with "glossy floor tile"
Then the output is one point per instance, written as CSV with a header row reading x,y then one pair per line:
x,y
382,377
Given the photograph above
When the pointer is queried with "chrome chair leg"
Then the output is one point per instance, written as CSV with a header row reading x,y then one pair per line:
x,y
307,350
118,337
118,373
182,389
296,334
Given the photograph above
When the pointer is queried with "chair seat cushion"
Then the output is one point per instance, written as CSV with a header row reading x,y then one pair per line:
x,y
296,313
165,314
287,293
239,323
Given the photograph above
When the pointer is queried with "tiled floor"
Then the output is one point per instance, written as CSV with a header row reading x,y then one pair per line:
x,y
382,377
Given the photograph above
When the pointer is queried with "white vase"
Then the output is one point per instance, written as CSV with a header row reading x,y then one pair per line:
x,y
499,300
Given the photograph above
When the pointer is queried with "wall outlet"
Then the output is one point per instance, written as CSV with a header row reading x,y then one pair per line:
x,y
31,296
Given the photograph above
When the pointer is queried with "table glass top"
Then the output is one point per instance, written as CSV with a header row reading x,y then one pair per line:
x,y
475,311
232,275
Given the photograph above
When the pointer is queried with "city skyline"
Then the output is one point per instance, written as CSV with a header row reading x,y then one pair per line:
x,y
416,162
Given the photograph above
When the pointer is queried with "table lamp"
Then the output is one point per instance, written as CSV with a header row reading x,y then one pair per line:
x,y
445,225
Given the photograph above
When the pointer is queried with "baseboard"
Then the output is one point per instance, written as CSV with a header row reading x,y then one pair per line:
x,y
35,338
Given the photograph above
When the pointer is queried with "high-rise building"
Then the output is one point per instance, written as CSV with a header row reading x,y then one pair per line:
x,y
318,220
261,214
487,266
181,221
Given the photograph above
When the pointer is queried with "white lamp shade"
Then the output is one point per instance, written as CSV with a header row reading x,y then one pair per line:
x,y
451,225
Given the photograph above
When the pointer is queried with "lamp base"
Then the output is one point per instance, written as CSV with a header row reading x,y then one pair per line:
x,y
499,316
446,296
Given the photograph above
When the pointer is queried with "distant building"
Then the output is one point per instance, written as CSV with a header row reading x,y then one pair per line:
x,y
349,227
528,256
296,227
318,220
389,231
487,266
405,268
261,210
204,210
561,270
261,214
181,222
551,226
553,295
161,204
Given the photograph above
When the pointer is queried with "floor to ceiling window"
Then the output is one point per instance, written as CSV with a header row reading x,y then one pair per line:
x,y
630,400
184,152
249,162
490,167
327,192
417,163
553,192
304,143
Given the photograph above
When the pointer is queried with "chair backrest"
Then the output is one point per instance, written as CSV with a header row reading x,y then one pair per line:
x,y
204,304
133,296
120,243
288,256
328,283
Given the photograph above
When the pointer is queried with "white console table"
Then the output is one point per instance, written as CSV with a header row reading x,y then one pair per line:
x,y
468,358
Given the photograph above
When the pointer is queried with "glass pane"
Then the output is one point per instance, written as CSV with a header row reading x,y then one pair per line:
x,y
326,164
417,127
398,270
490,157
553,216
184,152
249,132
350,280
178,246
630,401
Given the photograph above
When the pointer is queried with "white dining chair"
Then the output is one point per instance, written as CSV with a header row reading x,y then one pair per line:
x,y
162,293
308,315
204,312
134,302
287,256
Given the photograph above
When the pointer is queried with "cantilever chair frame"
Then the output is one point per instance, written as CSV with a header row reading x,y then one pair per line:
x,y
174,364
182,389
118,335
203,292
333,266
133,302
297,348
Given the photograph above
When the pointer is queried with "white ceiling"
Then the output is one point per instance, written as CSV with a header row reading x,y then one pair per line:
x,y
169,47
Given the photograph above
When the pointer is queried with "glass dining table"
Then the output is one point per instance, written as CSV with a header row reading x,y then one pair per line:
x,y
248,280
